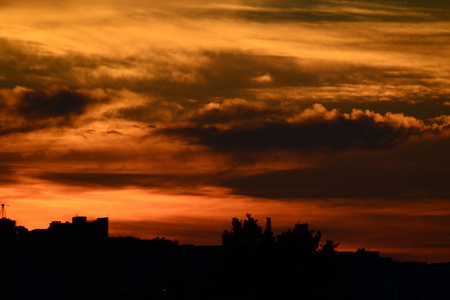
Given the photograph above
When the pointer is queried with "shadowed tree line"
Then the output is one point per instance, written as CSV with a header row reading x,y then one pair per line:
x,y
256,265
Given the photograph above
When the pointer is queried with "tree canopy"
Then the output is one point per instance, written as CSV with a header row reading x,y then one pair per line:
x,y
301,239
294,265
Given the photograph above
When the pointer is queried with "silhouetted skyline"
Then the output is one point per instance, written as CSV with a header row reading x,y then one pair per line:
x,y
78,259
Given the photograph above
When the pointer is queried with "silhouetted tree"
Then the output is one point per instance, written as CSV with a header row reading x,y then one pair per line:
x,y
293,266
7,230
267,237
329,248
300,239
247,233
247,260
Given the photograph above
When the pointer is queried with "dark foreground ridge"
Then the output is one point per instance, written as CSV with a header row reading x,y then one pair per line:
x,y
79,261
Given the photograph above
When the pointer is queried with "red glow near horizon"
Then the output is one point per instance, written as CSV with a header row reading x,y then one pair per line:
x,y
200,220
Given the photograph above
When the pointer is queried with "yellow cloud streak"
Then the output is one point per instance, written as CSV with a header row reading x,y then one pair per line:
x,y
111,31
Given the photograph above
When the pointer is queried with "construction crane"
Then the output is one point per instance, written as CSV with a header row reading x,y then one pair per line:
x,y
3,210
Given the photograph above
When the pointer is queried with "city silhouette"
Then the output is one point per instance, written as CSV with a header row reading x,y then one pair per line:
x,y
77,260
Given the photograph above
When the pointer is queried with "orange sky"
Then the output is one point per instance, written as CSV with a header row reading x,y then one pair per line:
x,y
172,119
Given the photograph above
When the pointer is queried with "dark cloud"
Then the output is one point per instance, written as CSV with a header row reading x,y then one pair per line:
x,y
314,130
418,170
241,111
172,183
234,71
422,108
420,3
26,64
312,16
41,104
30,110
7,173
327,11
364,181
226,74
312,3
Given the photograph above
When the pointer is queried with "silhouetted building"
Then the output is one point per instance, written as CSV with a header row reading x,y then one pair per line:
x,y
80,228
371,277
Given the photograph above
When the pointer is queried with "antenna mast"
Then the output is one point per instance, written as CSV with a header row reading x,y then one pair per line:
x,y
4,211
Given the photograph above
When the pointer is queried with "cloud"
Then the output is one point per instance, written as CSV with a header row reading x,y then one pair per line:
x,y
8,174
38,105
187,183
324,11
238,112
415,170
363,181
172,76
308,3
297,60
28,110
314,129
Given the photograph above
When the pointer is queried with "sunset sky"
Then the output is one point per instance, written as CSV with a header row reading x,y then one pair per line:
x,y
173,118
